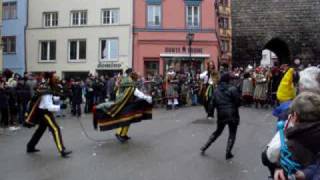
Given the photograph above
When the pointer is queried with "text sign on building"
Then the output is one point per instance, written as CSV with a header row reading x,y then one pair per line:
x,y
109,65
177,50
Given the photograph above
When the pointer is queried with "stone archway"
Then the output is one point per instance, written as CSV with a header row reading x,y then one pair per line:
x,y
280,48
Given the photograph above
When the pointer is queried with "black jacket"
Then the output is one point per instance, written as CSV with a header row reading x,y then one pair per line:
x,y
303,142
13,99
226,100
4,98
76,94
23,93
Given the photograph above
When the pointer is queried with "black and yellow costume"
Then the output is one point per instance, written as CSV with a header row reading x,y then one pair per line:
x,y
40,113
127,86
46,119
125,110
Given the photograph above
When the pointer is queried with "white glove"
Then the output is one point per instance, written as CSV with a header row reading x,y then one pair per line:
x,y
47,103
56,99
141,95
149,99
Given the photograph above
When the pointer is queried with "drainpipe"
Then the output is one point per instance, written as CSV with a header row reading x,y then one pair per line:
x,y
132,32
216,31
25,37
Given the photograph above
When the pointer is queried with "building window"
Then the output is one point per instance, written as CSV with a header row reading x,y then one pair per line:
x,y
109,49
50,19
154,15
224,3
9,10
9,44
48,50
110,16
151,67
225,46
224,22
77,50
193,16
78,18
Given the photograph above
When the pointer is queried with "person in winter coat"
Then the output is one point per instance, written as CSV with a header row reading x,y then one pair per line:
x,y
89,95
309,82
65,93
13,106
312,172
23,97
76,98
4,105
302,137
226,99
110,89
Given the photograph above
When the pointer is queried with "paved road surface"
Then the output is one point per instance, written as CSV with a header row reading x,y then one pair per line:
x,y
166,148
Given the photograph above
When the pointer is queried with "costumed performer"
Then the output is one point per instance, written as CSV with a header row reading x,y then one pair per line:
x,y
41,112
131,106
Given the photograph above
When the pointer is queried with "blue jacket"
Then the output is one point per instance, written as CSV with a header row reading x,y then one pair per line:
x,y
312,172
281,112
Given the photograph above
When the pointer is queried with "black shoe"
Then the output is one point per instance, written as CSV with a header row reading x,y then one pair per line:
x,y
229,156
32,150
120,138
203,151
65,153
126,137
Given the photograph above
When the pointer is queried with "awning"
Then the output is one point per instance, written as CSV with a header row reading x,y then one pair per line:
x,y
185,55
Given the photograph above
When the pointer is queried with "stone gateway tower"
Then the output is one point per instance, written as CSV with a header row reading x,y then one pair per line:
x,y
289,28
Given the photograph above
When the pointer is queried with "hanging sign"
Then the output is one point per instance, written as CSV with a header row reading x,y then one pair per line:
x,y
109,65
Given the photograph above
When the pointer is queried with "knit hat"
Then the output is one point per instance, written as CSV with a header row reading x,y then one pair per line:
x,y
225,77
307,106
286,90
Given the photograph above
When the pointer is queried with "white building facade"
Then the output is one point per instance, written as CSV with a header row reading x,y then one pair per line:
x,y
77,37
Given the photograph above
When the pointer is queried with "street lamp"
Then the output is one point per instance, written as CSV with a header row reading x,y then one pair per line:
x,y
190,37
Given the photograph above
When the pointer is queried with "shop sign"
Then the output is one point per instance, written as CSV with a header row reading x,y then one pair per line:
x,y
177,50
109,65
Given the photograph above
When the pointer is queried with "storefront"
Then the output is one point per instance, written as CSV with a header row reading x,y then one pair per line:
x,y
158,58
182,60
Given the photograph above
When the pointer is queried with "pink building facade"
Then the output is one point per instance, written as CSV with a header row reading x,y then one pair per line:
x,y
161,29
